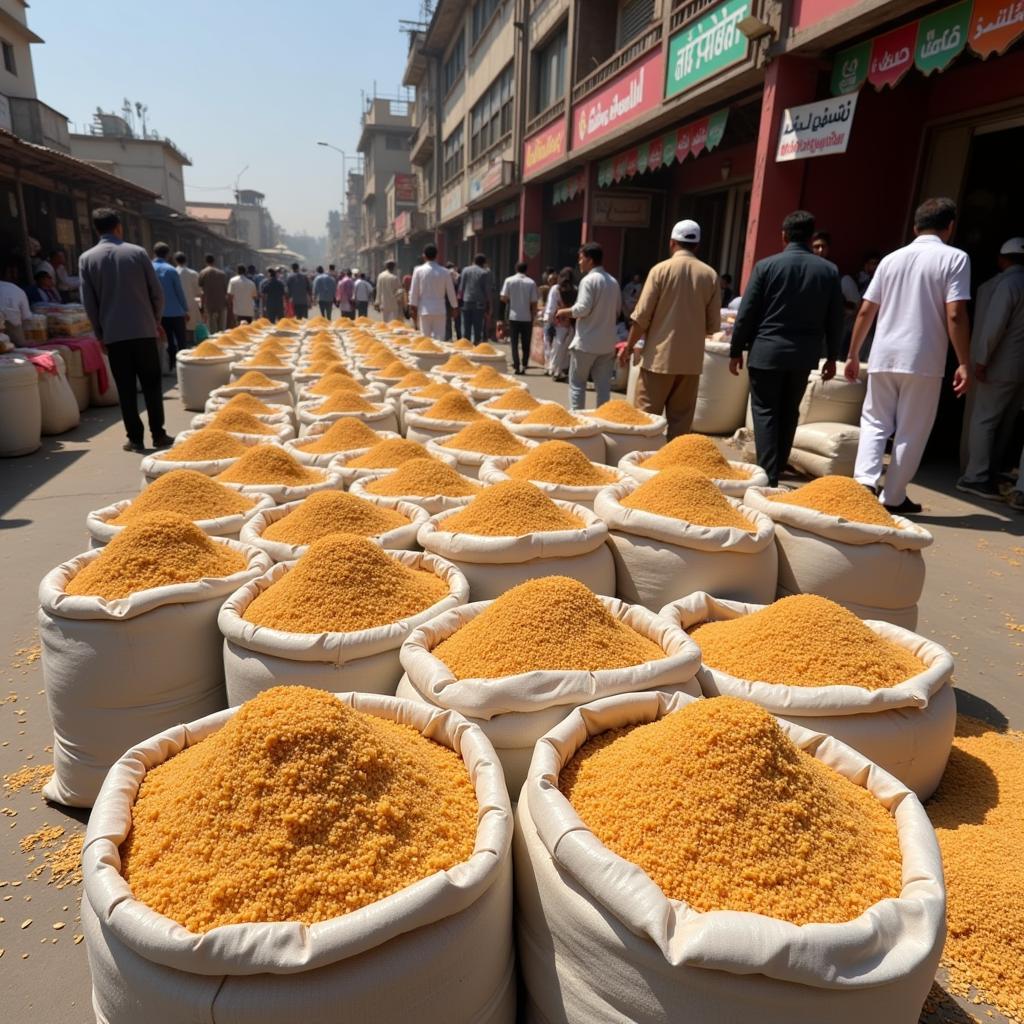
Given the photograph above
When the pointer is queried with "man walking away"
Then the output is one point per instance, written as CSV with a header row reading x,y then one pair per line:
x,y
561,295
596,310
997,357
124,300
476,294
680,304
791,302
175,316
431,293
242,296
520,295
299,292
343,295
190,286
213,283
453,322
323,292
919,295
362,293
388,291
272,292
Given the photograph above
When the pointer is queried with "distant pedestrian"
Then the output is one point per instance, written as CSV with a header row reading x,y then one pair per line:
x,y
272,292
213,283
520,295
631,295
559,328
190,286
299,292
242,296
476,296
728,292
679,306
124,302
791,302
43,291
343,295
431,293
323,292
388,293
14,307
595,311
175,315
453,321
919,295
362,293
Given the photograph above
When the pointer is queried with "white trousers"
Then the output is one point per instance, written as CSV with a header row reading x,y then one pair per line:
x,y
901,406
432,325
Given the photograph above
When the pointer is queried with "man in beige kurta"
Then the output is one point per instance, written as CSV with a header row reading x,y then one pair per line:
x,y
388,287
679,306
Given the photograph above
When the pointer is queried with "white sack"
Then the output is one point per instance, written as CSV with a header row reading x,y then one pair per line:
x,y
383,416
433,503
21,415
824,449
280,395
721,397
57,404
589,437
284,493
468,463
620,439
494,471
834,401
297,447
108,397
280,427
756,476
349,474
423,429
158,464
198,376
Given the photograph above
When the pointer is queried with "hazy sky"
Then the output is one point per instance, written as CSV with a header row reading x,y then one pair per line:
x,y
231,83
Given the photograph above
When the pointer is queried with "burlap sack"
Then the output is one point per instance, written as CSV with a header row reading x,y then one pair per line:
x,y
756,476
443,945
257,658
493,471
906,729
599,941
658,559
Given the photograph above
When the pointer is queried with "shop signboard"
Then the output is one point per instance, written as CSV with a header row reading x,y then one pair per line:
x,y
621,211
995,25
630,94
405,189
531,245
941,37
709,45
850,70
892,56
403,224
816,129
451,201
544,148
487,180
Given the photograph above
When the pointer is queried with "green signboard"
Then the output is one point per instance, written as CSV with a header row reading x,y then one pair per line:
x,y
706,46
850,70
716,127
941,37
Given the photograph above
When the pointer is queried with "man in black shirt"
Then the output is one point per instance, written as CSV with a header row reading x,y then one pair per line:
x,y
791,302
272,293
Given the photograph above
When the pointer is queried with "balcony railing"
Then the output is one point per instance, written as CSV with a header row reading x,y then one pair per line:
x,y
611,67
422,145
545,117
684,11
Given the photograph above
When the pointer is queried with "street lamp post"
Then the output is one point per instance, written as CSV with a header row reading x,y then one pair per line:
x,y
344,158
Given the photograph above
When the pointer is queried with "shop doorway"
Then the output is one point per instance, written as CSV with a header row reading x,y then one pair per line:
x,y
567,235
722,216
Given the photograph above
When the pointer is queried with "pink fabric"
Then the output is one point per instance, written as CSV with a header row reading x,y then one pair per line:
x,y
42,361
92,356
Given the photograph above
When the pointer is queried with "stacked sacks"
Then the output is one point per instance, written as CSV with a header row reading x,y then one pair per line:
x,y
699,453
550,421
516,666
881,689
828,432
626,429
335,618
678,533
835,539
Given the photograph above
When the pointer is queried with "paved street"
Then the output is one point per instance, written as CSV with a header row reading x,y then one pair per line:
x,y
972,604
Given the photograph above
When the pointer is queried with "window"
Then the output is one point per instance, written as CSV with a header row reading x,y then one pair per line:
x,y
483,11
549,64
634,17
454,65
396,142
491,116
453,154
9,62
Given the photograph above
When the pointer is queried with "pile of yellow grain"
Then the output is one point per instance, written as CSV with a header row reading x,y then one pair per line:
x,y
681,493
977,814
439,389
322,362
264,358
483,349
839,496
805,640
338,370
489,379
342,584
333,512
486,437
205,350
551,414
463,344
454,407
513,508
514,400
459,365
724,812
257,380
246,402
423,478
206,445
298,809
156,550
188,493
424,345
617,410
697,452
395,370
269,464
332,384
342,435
238,421
559,462
413,379
389,454
549,624
344,401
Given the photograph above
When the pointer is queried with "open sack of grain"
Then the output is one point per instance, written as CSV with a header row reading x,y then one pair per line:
x,y
334,619
641,894
269,469
883,690
553,422
259,385
509,403
442,417
698,452
475,443
513,532
518,665
209,451
835,539
130,643
677,532
385,457
202,370
626,429
431,483
239,421
376,415
324,442
312,910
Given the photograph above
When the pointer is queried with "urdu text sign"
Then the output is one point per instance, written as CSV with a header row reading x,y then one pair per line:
x,y
816,129
706,46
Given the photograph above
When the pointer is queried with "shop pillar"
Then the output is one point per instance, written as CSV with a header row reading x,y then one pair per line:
x,y
531,227
778,188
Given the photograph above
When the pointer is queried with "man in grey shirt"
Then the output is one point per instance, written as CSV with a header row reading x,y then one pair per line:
x,y
476,294
124,300
299,291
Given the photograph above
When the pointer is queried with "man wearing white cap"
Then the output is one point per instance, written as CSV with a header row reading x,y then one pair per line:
x,y
997,357
680,305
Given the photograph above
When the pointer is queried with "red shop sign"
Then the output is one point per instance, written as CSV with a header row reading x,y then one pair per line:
x,y
632,93
892,56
